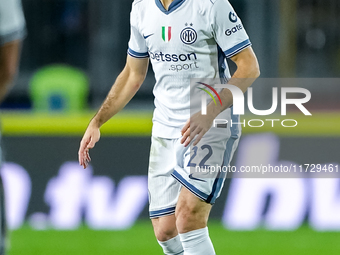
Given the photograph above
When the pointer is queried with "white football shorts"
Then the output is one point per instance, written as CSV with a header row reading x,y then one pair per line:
x,y
172,166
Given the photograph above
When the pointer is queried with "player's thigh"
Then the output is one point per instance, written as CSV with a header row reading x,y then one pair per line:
x,y
191,212
163,188
197,167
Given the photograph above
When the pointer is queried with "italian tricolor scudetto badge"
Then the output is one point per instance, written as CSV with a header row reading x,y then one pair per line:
x,y
166,34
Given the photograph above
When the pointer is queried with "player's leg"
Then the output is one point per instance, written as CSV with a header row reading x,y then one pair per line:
x,y
167,234
192,216
163,195
201,188
191,212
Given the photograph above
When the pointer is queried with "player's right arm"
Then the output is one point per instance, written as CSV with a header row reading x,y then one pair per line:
x,y
122,91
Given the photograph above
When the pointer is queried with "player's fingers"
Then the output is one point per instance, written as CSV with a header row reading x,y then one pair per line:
x,y
85,164
187,141
192,130
88,158
84,159
83,143
194,133
81,151
188,136
199,137
81,162
186,126
185,135
81,157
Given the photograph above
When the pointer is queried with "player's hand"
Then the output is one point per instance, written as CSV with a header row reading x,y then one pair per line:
x,y
197,125
90,138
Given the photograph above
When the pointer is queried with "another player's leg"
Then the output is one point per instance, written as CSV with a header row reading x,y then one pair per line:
x,y
167,235
192,216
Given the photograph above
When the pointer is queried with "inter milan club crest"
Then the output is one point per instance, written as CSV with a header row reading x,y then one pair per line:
x,y
188,35
166,34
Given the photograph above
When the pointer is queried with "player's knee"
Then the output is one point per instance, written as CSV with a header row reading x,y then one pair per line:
x,y
165,228
163,235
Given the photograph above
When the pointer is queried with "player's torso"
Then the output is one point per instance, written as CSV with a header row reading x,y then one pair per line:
x,y
181,46
180,41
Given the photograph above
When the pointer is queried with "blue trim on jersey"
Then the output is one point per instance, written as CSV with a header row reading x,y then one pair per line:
x,y
215,189
237,48
173,6
163,212
136,54
179,253
189,186
221,63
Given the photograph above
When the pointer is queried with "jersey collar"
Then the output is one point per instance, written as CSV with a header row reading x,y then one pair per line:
x,y
173,6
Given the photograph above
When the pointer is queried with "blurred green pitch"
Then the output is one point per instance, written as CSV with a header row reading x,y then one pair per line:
x,y
140,240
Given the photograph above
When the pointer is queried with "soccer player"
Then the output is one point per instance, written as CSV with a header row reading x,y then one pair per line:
x,y
12,31
183,39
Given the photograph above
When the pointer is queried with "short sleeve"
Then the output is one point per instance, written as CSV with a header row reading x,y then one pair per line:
x,y
228,29
12,21
137,45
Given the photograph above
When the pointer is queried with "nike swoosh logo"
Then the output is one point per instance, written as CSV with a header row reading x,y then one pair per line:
x,y
193,178
146,37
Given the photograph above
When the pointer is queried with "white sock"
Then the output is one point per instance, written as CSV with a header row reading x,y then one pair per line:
x,y
197,242
172,246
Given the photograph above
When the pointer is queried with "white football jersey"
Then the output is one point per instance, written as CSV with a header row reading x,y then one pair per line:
x,y
192,39
12,22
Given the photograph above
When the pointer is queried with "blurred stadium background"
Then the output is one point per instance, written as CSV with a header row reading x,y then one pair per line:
x,y
72,54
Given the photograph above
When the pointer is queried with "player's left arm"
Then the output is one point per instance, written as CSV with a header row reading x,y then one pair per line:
x,y
247,72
